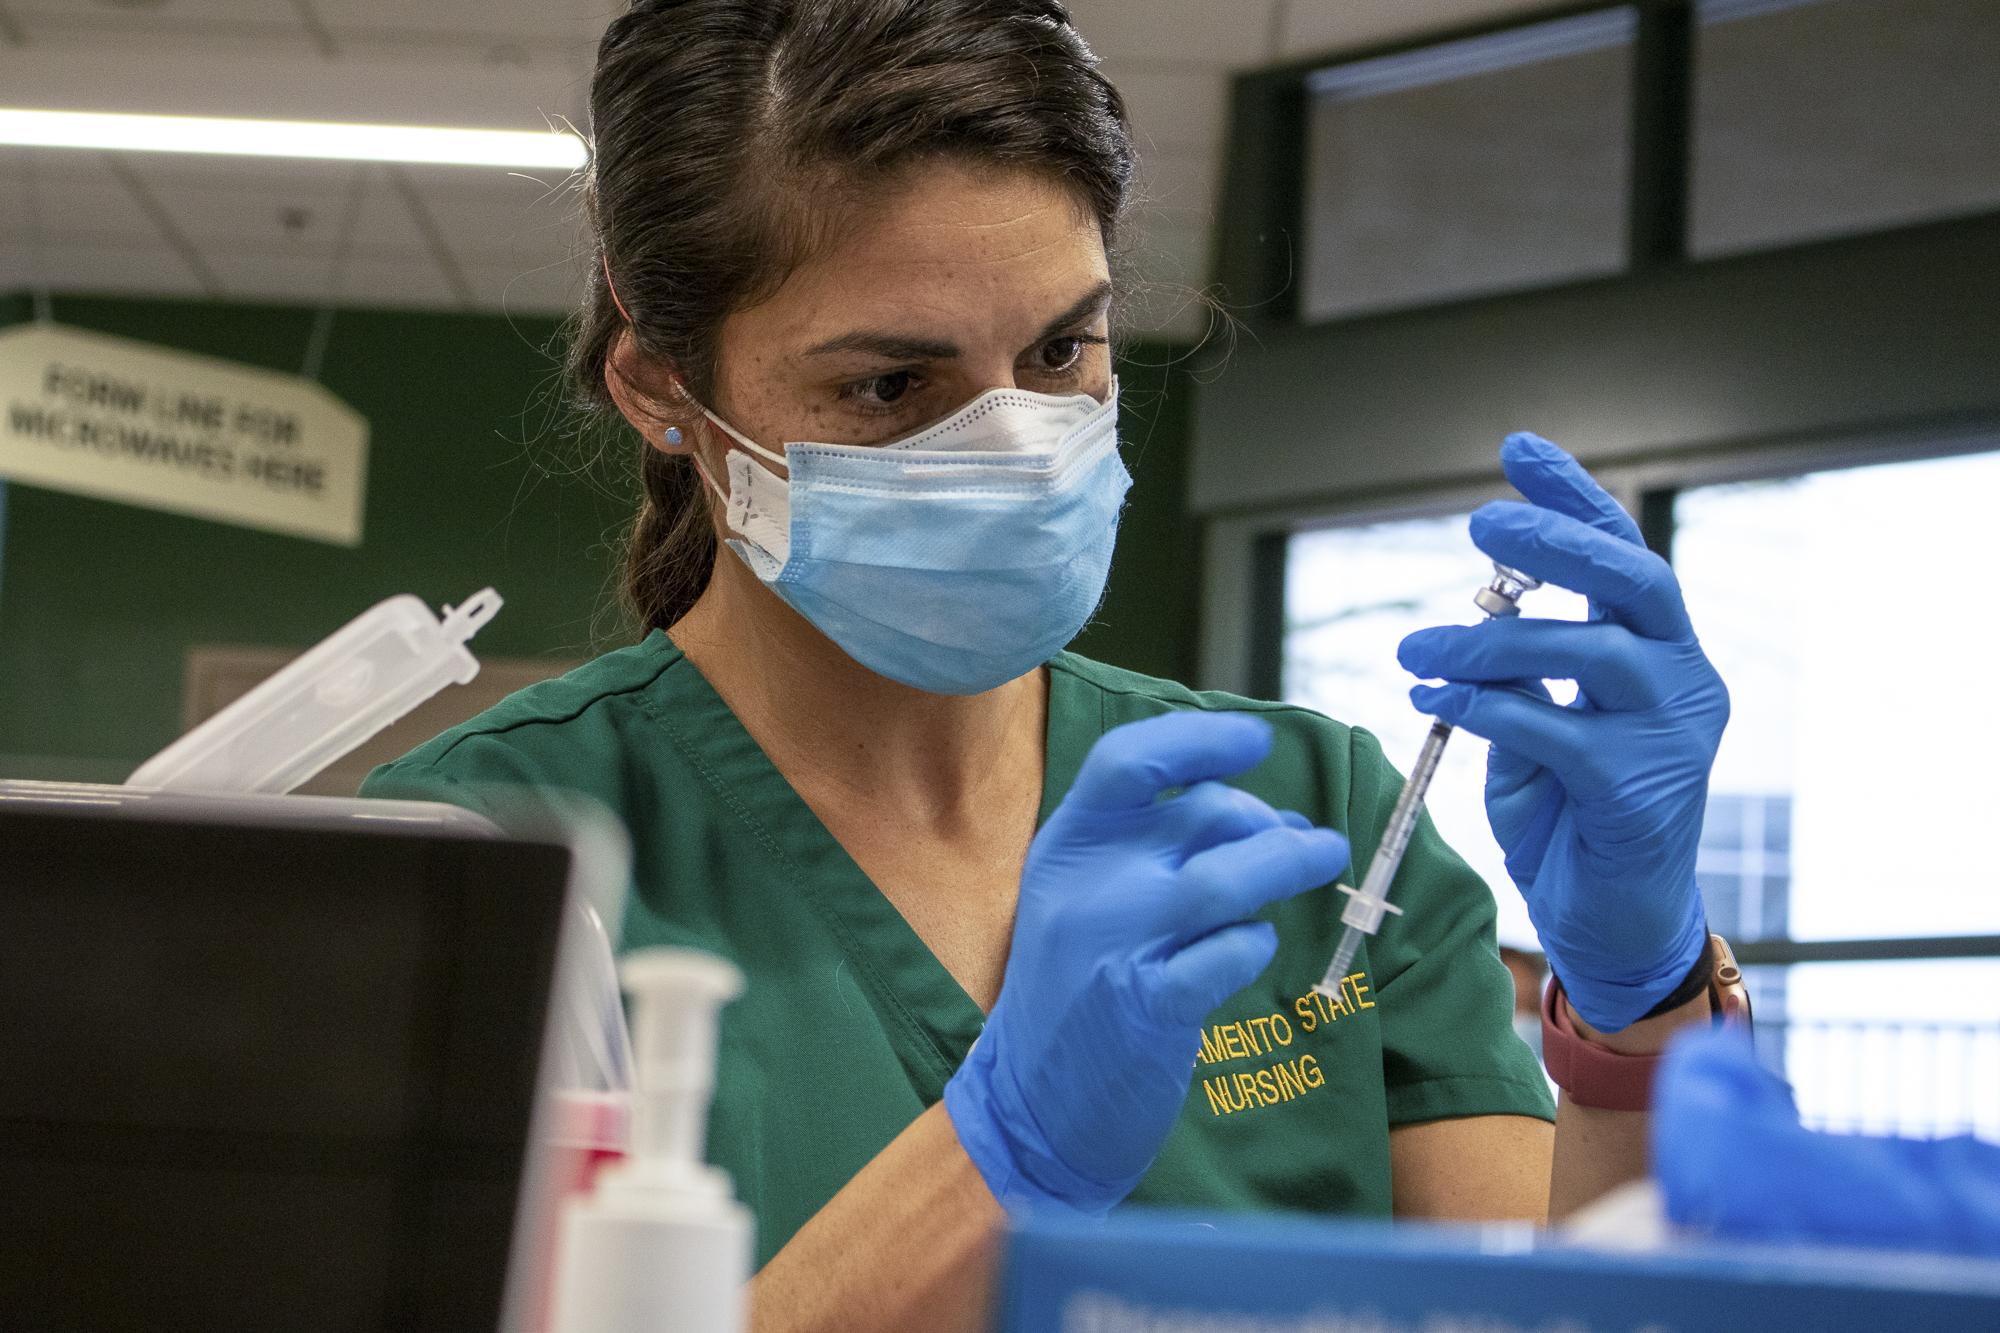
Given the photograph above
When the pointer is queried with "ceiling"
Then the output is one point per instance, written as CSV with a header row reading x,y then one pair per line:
x,y
463,238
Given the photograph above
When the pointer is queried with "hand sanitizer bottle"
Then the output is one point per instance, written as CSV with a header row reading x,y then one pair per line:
x,y
661,1245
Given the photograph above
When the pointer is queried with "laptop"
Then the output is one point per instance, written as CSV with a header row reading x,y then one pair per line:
x,y
265,1062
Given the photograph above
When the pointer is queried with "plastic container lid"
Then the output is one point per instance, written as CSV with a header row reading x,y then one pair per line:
x,y
361,678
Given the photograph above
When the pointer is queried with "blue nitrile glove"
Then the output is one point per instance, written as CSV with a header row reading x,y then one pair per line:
x,y
1598,805
1732,1158
1131,928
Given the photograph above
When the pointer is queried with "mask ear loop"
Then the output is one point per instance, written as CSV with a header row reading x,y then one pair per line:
x,y
673,433
700,467
724,426
743,439
612,287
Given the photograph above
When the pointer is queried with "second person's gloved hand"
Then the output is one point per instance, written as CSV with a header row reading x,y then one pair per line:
x,y
1132,926
1732,1159
1598,805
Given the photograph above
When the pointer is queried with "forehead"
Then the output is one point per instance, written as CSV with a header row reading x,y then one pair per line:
x,y
947,248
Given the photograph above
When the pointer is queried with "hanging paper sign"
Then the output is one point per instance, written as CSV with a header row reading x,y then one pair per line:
x,y
122,420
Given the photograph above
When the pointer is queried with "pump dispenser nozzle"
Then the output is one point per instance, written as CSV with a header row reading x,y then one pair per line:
x,y
662,1245
676,994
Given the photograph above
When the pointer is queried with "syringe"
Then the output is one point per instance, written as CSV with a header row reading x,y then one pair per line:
x,y
1365,906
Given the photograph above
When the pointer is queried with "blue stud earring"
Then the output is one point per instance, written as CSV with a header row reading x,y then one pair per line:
x,y
673,435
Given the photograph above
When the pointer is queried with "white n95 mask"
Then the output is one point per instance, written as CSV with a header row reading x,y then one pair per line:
x,y
953,560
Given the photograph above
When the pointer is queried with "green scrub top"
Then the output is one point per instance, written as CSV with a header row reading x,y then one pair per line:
x,y
849,1026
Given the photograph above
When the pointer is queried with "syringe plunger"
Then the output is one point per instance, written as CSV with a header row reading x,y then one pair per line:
x,y
1365,905
1343,958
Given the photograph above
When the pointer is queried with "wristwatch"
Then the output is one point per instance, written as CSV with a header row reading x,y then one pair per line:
x,y
1597,1076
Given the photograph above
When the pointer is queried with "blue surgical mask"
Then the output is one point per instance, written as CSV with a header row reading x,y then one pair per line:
x,y
953,560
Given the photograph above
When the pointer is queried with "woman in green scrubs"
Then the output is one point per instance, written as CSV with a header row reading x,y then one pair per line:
x,y
833,225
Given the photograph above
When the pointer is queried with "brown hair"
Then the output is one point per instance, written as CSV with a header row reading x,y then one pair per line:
x,y
727,132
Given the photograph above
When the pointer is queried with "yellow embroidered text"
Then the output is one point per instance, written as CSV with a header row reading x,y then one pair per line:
x,y
1268,1036
1245,1091
1252,1036
1314,1009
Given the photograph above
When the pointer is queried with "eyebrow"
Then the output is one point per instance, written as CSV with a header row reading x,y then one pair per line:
x,y
903,347
1090,304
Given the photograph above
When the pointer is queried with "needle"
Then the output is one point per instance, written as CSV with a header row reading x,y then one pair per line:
x,y
1366,905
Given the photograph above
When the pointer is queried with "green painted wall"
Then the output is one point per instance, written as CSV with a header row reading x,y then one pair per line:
x,y
1147,622
99,601
467,486
1893,334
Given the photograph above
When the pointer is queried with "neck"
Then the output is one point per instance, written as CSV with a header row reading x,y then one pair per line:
x,y
830,724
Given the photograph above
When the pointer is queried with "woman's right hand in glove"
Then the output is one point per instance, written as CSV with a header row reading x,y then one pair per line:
x,y
1133,924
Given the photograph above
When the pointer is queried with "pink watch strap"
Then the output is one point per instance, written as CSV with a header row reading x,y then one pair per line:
x,y
1592,1075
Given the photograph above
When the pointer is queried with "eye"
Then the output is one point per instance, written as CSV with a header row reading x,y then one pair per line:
x,y
1059,354
881,390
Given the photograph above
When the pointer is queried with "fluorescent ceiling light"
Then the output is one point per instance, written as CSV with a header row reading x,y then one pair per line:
x,y
290,138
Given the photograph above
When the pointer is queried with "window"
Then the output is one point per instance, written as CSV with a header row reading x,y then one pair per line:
x,y
1844,609
1485,165
1816,118
1889,1048
1351,595
1847,610
1506,162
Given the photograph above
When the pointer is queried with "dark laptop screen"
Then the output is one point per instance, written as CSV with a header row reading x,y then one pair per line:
x,y
264,1078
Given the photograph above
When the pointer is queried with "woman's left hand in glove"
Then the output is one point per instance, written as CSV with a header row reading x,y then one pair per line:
x,y
1598,804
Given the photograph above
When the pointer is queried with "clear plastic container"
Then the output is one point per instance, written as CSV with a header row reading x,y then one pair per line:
x,y
364,676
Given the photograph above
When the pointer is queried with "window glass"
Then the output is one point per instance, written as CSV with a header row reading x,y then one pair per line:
x,y
1351,594
1851,795
1848,613
1816,118
1845,610
1890,1048
1485,165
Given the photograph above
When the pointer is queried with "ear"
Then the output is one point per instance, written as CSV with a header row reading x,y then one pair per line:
x,y
649,394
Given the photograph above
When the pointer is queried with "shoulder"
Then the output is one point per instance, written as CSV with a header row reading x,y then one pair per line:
x,y
512,738
1314,762
1128,696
